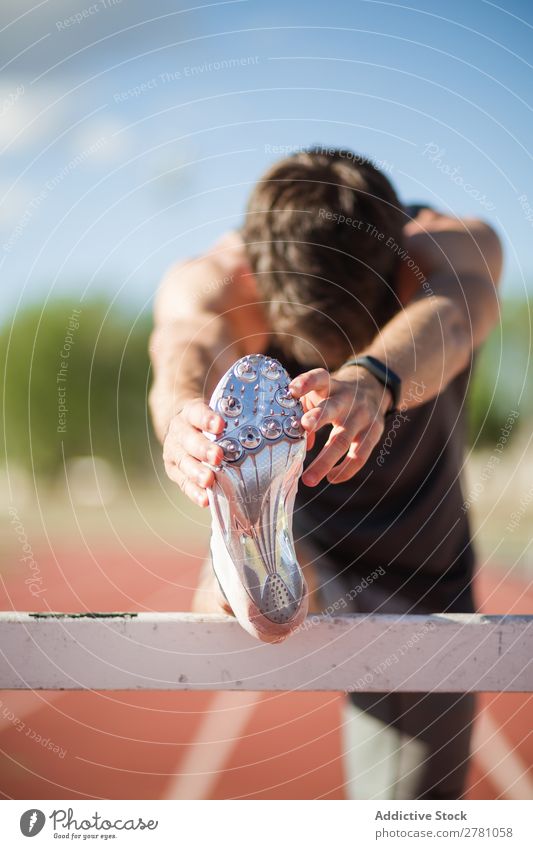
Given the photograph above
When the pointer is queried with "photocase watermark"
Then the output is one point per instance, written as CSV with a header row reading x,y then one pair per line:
x,y
517,515
369,677
527,209
50,185
64,364
349,155
65,824
436,155
34,581
32,822
493,461
416,391
184,73
9,101
9,716
65,819
84,14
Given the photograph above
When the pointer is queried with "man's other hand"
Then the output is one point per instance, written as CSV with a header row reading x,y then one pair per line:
x,y
186,449
354,402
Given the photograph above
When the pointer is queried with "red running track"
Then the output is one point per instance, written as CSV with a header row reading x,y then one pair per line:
x,y
205,745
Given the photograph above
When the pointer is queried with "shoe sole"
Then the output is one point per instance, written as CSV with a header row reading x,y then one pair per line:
x,y
252,499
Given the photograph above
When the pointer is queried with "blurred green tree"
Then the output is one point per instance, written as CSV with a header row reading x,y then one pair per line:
x,y
102,383
502,375
107,377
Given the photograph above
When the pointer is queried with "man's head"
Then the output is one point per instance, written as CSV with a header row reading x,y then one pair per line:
x,y
321,230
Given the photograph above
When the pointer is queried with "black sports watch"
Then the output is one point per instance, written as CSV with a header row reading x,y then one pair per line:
x,y
386,376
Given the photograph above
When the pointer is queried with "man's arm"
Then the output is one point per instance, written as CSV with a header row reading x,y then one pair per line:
x,y
427,343
432,339
189,337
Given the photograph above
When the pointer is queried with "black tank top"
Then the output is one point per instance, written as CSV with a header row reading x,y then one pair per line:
x,y
404,511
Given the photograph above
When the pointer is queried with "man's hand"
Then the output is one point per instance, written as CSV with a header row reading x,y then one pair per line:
x,y
186,449
355,403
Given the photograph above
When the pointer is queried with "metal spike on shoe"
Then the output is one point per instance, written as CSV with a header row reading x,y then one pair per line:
x,y
252,499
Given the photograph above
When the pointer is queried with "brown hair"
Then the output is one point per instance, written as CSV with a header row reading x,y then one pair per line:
x,y
322,231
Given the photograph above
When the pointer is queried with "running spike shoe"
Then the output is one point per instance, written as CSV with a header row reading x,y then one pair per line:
x,y
252,499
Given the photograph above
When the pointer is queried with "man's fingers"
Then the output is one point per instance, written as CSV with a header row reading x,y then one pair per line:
x,y
186,449
310,419
326,411
335,448
196,471
317,380
201,416
190,489
358,453
198,446
346,470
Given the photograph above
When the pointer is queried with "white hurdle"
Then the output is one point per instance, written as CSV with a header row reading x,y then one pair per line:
x,y
184,651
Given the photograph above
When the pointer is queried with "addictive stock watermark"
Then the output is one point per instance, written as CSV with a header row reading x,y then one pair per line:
x,y
416,825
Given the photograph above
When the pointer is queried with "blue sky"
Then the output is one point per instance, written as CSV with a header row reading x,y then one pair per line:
x,y
131,135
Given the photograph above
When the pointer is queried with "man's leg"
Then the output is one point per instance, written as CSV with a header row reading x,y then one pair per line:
x,y
398,745
407,745
208,596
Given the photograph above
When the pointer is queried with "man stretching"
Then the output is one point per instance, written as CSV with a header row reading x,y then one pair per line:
x,y
330,267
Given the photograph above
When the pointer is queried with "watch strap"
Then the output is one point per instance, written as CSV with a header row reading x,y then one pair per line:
x,y
386,376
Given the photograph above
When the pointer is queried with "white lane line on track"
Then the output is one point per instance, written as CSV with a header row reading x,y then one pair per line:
x,y
23,704
209,751
502,764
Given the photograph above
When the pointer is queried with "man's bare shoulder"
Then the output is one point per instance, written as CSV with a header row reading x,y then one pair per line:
x,y
202,283
442,238
430,221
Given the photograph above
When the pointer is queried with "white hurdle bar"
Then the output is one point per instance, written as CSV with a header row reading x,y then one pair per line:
x,y
184,651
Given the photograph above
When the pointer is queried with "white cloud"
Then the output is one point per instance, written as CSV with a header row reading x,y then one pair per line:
x,y
14,201
103,137
22,125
